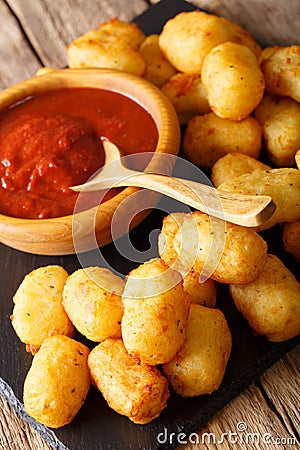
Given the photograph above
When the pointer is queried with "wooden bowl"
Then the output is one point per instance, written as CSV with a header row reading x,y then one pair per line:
x,y
55,236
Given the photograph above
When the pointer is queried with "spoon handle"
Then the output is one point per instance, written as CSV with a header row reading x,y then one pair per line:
x,y
246,210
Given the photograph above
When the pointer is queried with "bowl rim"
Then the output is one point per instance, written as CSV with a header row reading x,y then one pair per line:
x,y
138,89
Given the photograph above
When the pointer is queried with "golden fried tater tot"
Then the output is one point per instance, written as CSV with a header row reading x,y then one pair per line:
x,y
271,105
271,303
282,135
209,137
198,291
233,80
58,381
203,293
241,257
135,390
155,313
283,185
127,32
166,250
199,366
158,68
233,165
240,36
189,36
98,48
188,96
281,69
38,312
291,238
92,300
297,158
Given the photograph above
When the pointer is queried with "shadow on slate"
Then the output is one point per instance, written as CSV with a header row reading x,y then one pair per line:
x,y
97,427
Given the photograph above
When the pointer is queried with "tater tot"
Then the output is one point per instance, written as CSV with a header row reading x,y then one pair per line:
x,y
281,69
189,36
58,381
283,185
297,158
166,250
92,298
99,48
271,105
240,36
155,313
291,238
226,251
282,135
135,390
127,32
233,80
271,303
197,290
188,96
199,366
38,312
209,137
158,68
233,165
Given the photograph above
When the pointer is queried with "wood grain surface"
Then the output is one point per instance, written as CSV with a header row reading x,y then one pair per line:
x,y
34,33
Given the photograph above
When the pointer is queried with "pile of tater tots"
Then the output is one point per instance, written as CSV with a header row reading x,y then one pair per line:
x,y
160,327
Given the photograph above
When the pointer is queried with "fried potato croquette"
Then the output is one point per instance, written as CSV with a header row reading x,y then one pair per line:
x,y
291,238
113,46
199,366
281,69
271,105
171,224
233,80
209,137
240,36
233,165
58,381
127,32
92,298
283,185
297,159
38,312
187,95
155,313
227,252
271,303
282,135
197,290
189,36
158,68
135,390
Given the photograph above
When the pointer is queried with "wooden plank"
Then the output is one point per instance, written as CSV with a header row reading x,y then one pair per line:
x,y
270,422
260,18
63,21
15,433
17,60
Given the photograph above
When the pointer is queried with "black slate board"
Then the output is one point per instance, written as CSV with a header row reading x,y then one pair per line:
x,y
96,427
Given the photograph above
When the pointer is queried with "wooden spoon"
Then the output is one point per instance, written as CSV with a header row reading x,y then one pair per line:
x,y
246,210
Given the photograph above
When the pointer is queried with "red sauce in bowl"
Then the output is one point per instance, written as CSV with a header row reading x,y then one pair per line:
x,y
53,141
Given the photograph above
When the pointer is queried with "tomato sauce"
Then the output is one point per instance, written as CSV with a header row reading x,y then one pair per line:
x,y
54,140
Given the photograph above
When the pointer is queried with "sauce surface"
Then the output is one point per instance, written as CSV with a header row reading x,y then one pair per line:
x,y
54,140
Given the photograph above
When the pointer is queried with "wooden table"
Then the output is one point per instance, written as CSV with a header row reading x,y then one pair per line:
x,y
33,33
